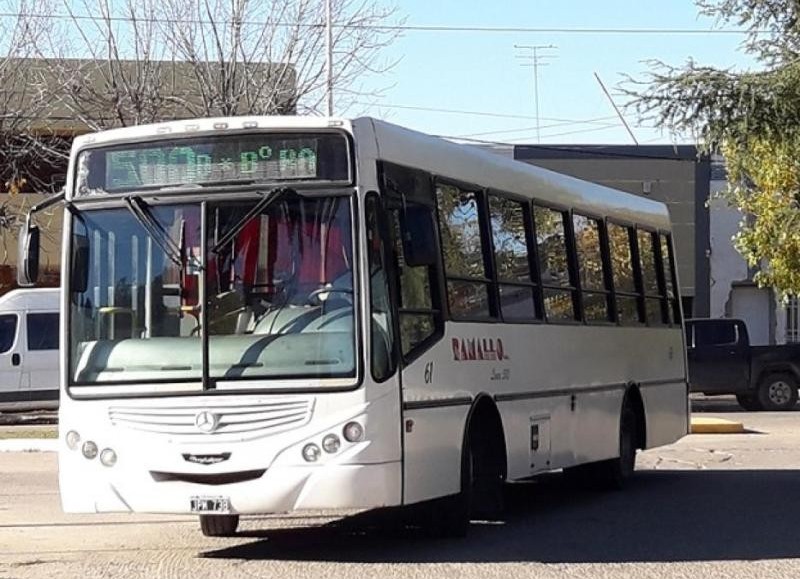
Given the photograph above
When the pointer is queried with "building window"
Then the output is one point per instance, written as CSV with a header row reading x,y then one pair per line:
x,y
464,251
792,320
551,244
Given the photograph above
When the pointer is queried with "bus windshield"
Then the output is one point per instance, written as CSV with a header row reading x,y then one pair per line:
x,y
278,276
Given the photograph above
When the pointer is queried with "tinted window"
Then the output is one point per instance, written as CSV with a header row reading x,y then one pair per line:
x,y
591,269
461,233
42,331
382,326
463,251
622,267
669,279
510,229
8,331
714,334
621,261
417,287
551,247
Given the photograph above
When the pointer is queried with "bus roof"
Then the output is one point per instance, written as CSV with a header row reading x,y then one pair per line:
x,y
432,154
486,169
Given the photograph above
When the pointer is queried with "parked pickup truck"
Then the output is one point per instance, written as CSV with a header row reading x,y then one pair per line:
x,y
722,361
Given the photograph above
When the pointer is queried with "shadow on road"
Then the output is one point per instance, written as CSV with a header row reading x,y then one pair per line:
x,y
663,516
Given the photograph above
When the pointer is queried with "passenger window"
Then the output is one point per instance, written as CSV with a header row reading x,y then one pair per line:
x,y
463,251
42,331
551,246
591,269
510,232
8,332
668,263
619,241
655,304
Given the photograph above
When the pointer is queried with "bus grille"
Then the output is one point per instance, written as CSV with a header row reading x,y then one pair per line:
x,y
234,420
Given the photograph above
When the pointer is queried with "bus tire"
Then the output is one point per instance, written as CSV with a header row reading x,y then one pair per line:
x,y
749,402
612,474
482,478
219,525
777,391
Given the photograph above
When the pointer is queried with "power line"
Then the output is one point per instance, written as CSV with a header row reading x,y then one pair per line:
x,y
394,27
467,112
597,121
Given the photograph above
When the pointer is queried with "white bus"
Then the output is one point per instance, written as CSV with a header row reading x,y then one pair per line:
x,y
262,315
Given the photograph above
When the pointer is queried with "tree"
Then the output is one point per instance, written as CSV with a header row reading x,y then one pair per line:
x,y
753,118
124,62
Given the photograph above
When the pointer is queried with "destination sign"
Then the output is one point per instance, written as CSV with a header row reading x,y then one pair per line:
x,y
216,160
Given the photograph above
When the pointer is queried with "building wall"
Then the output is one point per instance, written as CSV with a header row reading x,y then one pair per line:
x,y
674,175
13,209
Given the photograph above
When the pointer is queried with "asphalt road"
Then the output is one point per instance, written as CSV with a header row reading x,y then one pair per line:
x,y
710,506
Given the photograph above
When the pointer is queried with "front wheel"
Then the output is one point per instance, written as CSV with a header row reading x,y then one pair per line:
x,y
219,525
777,392
482,481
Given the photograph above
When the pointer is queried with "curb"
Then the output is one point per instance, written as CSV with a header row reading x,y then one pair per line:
x,y
707,425
29,445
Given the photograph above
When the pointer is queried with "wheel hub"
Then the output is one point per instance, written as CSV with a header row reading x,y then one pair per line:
x,y
780,392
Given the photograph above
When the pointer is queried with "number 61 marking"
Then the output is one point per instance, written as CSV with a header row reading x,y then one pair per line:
x,y
428,372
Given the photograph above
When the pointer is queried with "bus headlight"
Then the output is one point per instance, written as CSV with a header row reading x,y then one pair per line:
x,y
72,438
331,443
311,452
89,449
108,457
353,432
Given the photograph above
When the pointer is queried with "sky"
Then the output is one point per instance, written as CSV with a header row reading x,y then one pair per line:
x,y
481,72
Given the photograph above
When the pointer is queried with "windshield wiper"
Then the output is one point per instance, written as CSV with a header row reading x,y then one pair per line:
x,y
154,229
264,202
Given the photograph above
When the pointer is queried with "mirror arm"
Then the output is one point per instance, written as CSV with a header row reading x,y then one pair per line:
x,y
46,203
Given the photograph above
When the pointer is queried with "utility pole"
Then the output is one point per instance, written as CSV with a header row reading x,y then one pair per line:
x,y
329,57
536,60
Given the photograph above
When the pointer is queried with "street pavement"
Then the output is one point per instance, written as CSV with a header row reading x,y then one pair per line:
x,y
709,505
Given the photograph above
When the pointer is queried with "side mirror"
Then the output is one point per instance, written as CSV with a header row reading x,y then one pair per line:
x,y
28,258
419,236
79,270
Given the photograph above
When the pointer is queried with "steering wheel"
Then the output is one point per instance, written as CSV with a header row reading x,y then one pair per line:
x,y
313,297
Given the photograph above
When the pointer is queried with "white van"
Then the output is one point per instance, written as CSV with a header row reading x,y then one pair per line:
x,y
29,320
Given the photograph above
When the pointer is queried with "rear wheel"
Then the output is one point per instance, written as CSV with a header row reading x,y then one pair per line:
x,y
777,392
614,473
748,402
219,525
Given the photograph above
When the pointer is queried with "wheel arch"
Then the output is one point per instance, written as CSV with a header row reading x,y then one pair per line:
x,y
484,415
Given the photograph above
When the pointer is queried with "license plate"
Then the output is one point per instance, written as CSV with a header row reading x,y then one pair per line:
x,y
209,505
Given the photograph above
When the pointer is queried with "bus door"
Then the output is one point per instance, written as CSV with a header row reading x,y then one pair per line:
x,y
414,266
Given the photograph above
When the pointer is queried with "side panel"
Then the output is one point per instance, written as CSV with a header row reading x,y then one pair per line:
x,y
559,390
433,438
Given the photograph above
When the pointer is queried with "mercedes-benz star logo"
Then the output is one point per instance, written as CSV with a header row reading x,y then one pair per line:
x,y
206,421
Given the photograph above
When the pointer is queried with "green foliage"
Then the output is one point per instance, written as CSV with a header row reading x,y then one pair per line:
x,y
752,117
